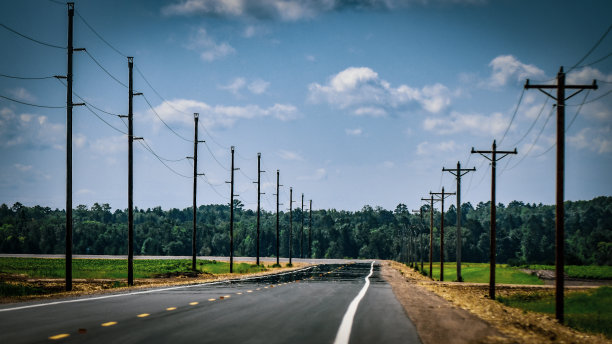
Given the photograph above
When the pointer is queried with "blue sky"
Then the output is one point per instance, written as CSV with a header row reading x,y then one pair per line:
x,y
356,103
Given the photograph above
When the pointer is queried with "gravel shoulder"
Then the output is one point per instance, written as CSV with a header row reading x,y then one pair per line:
x,y
455,312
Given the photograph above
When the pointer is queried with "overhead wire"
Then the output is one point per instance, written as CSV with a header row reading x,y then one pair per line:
x,y
532,124
27,78
31,104
537,137
164,122
214,157
105,70
97,34
150,150
591,50
518,104
32,39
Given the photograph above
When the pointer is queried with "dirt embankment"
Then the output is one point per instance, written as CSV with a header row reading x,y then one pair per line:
x,y
452,312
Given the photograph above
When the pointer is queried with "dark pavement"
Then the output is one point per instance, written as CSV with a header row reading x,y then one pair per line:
x,y
300,307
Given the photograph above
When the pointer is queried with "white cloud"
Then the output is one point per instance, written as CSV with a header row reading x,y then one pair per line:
x,y
235,86
109,145
311,58
586,75
319,174
79,140
258,86
290,10
594,139
22,94
288,155
30,130
427,148
219,115
249,31
353,132
507,68
477,124
22,168
210,49
363,89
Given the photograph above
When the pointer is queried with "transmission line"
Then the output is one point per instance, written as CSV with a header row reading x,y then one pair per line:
x,y
99,36
30,104
591,50
532,125
214,157
105,70
148,148
513,115
27,78
32,39
166,124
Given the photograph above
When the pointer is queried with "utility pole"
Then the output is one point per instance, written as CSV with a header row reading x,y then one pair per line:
x,y
277,217
195,186
290,222
259,193
69,152
559,209
131,138
442,195
302,229
232,213
458,173
310,232
494,158
431,199
420,212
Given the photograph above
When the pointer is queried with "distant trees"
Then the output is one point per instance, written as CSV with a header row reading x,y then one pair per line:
x,y
525,231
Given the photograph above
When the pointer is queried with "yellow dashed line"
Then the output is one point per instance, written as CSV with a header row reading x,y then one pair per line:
x,y
110,323
170,308
238,293
143,315
193,303
258,289
265,287
211,299
59,336
249,291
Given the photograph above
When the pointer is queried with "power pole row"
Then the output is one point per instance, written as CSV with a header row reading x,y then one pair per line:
x,y
441,196
232,213
195,188
259,193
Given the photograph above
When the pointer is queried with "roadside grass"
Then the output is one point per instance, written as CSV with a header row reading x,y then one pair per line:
x,y
579,271
115,268
589,311
479,273
16,289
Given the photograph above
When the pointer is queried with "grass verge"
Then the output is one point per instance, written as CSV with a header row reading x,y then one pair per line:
x,y
479,273
589,311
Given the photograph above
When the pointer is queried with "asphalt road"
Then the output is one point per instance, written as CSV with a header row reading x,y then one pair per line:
x,y
307,306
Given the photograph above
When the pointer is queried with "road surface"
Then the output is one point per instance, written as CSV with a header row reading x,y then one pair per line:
x,y
312,305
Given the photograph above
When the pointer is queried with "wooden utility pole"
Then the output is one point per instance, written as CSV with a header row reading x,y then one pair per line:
x,y
302,229
232,213
431,199
559,209
494,158
310,232
458,173
277,217
259,193
420,212
442,195
290,223
69,152
195,188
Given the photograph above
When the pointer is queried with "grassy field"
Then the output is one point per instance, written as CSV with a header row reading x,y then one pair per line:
x,y
579,271
479,273
589,311
115,268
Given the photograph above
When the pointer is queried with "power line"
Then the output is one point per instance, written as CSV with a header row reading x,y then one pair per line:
x,y
591,50
214,157
90,104
99,36
30,104
598,60
513,115
532,124
27,78
102,119
594,100
212,138
537,137
165,159
105,70
166,124
32,39
148,148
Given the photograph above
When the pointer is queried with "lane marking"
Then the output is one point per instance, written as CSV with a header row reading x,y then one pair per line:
x,y
211,299
150,291
227,296
59,336
249,291
238,293
344,332
193,303
143,315
110,323
170,308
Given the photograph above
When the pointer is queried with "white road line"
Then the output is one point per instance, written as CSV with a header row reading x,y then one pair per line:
x,y
148,291
344,332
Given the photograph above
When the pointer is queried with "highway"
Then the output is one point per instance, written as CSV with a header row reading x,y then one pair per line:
x,y
307,306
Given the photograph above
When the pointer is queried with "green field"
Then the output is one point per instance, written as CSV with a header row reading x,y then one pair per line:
x,y
589,311
579,271
479,273
115,268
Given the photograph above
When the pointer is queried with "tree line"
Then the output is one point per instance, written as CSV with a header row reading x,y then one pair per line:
x,y
525,232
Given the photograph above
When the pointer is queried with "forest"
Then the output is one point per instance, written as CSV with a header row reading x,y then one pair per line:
x,y
525,232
